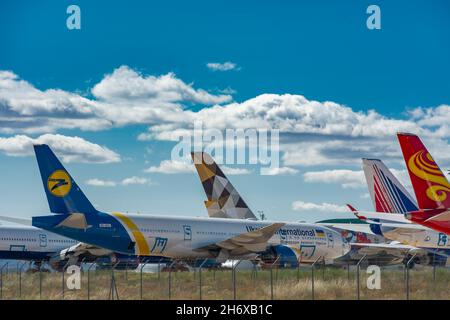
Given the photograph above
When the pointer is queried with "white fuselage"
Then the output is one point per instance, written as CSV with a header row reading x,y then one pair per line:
x,y
427,239
181,236
26,242
408,232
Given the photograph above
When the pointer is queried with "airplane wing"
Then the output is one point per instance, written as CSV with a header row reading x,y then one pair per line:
x,y
393,248
245,243
83,249
444,216
355,227
390,221
391,217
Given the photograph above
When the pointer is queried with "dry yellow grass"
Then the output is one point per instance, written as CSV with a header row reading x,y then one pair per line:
x,y
333,283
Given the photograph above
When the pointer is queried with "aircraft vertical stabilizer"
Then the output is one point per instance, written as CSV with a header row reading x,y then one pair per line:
x,y
223,199
386,191
63,194
431,187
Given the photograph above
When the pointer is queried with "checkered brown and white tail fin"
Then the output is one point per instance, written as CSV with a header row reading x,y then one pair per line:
x,y
223,199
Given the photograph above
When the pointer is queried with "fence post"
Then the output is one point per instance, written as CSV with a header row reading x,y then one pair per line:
x,y
434,266
17,274
40,281
159,268
63,282
407,275
142,267
1,279
255,271
200,278
312,276
271,283
233,272
113,287
89,280
20,278
194,263
358,294
170,278
348,271
323,269
271,276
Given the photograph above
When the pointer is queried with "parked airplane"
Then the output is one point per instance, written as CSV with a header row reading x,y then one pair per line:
x,y
32,244
40,246
175,237
431,187
391,201
223,200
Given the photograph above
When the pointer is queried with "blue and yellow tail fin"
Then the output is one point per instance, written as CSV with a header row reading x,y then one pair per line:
x,y
63,194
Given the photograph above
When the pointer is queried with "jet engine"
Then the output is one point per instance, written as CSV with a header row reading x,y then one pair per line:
x,y
282,255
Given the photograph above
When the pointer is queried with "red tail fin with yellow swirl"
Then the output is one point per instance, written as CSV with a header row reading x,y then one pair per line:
x,y
431,187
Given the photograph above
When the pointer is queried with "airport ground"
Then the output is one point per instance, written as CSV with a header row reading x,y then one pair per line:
x,y
329,283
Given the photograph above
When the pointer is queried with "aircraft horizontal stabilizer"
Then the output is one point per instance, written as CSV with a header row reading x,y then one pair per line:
x,y
22,221
248,242
354,227
444,216
372,217
74,220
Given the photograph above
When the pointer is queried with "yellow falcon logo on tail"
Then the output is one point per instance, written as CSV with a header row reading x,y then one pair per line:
x,y
59,183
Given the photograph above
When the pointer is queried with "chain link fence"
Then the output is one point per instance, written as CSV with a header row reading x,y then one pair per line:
x,y
179,279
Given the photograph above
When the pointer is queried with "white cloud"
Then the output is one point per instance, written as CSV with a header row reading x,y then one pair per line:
x,y
347,178
125,182
100,183
312,132
172,167
322,207
135,180
121,98
296,114
129,85
225,66
280,171
439,116
234,171
70,149
179,166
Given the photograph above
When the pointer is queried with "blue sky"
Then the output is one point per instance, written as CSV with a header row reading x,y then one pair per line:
x,y
321,50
